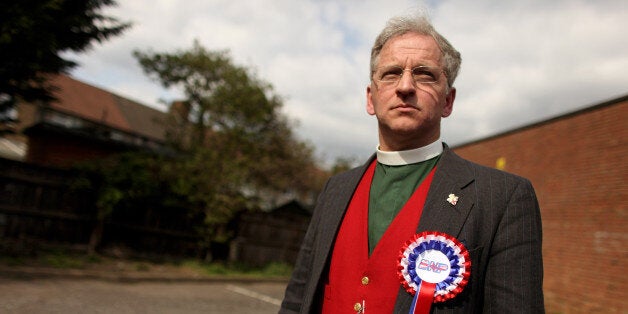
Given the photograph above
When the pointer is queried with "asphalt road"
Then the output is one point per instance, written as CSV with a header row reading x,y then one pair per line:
x,y
71,295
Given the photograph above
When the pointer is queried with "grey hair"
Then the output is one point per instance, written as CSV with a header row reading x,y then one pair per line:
x,y
419,24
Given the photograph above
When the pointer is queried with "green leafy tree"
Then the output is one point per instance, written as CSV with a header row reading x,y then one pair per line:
x,y
33,36
116,181
240,151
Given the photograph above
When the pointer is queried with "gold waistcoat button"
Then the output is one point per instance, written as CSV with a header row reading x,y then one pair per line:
x,y
357,307
365,280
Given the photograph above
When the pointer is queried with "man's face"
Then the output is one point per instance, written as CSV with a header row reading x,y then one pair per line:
x,y
409,112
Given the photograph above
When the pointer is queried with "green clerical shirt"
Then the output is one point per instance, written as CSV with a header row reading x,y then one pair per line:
x,y
391,188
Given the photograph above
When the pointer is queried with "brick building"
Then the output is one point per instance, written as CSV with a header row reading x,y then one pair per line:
x,y
576,164
37,200
84,122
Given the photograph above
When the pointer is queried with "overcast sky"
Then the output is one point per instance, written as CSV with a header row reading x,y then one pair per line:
x,y
523,61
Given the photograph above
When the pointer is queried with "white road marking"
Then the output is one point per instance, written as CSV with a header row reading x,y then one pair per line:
x,y
253,294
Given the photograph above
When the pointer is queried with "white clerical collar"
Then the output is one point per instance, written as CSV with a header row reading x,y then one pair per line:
x,y
406,157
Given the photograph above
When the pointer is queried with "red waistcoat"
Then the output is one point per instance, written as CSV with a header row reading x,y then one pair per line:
x,y
359,283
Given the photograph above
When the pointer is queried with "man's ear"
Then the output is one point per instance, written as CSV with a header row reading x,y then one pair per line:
x,y
448,107
370,109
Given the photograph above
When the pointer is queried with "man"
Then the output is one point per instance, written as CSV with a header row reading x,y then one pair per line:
x,y
352,259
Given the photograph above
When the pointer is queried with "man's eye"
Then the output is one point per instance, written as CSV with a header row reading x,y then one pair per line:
x,y
423,74
391,74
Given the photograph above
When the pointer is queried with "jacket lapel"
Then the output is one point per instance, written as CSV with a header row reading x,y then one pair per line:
x,y
453,176
340,202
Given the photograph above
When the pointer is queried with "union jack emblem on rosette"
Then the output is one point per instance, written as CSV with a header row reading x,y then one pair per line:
x,y
434,267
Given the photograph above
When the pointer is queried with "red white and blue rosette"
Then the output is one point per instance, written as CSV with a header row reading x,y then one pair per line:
x,y
434,267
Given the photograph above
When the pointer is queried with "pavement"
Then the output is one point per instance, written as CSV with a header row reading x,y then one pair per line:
x,y
132,289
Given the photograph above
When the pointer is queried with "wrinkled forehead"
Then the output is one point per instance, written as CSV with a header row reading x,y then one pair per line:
x,y
410,50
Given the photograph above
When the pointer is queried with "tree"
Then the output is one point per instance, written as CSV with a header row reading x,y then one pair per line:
x,y
34,34
240,151
342,164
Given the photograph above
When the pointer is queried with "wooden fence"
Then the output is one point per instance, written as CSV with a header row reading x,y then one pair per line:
x,y
38,204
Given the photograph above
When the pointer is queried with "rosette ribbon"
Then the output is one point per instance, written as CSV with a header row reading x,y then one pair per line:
x,y
434,267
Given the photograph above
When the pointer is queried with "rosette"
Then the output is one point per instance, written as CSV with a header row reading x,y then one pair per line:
x,y
434,267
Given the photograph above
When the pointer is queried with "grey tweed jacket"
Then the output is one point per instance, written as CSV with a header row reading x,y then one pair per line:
x,y
497,217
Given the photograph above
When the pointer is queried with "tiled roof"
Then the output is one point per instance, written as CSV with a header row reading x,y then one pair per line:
x,y
94,104
142,119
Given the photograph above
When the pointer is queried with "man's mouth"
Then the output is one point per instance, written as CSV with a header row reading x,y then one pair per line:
x,y
405,107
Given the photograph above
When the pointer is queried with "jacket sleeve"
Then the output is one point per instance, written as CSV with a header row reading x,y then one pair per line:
x,y
514,273
295,291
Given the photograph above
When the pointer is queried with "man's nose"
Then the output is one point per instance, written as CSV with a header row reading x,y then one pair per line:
x,y
406,83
